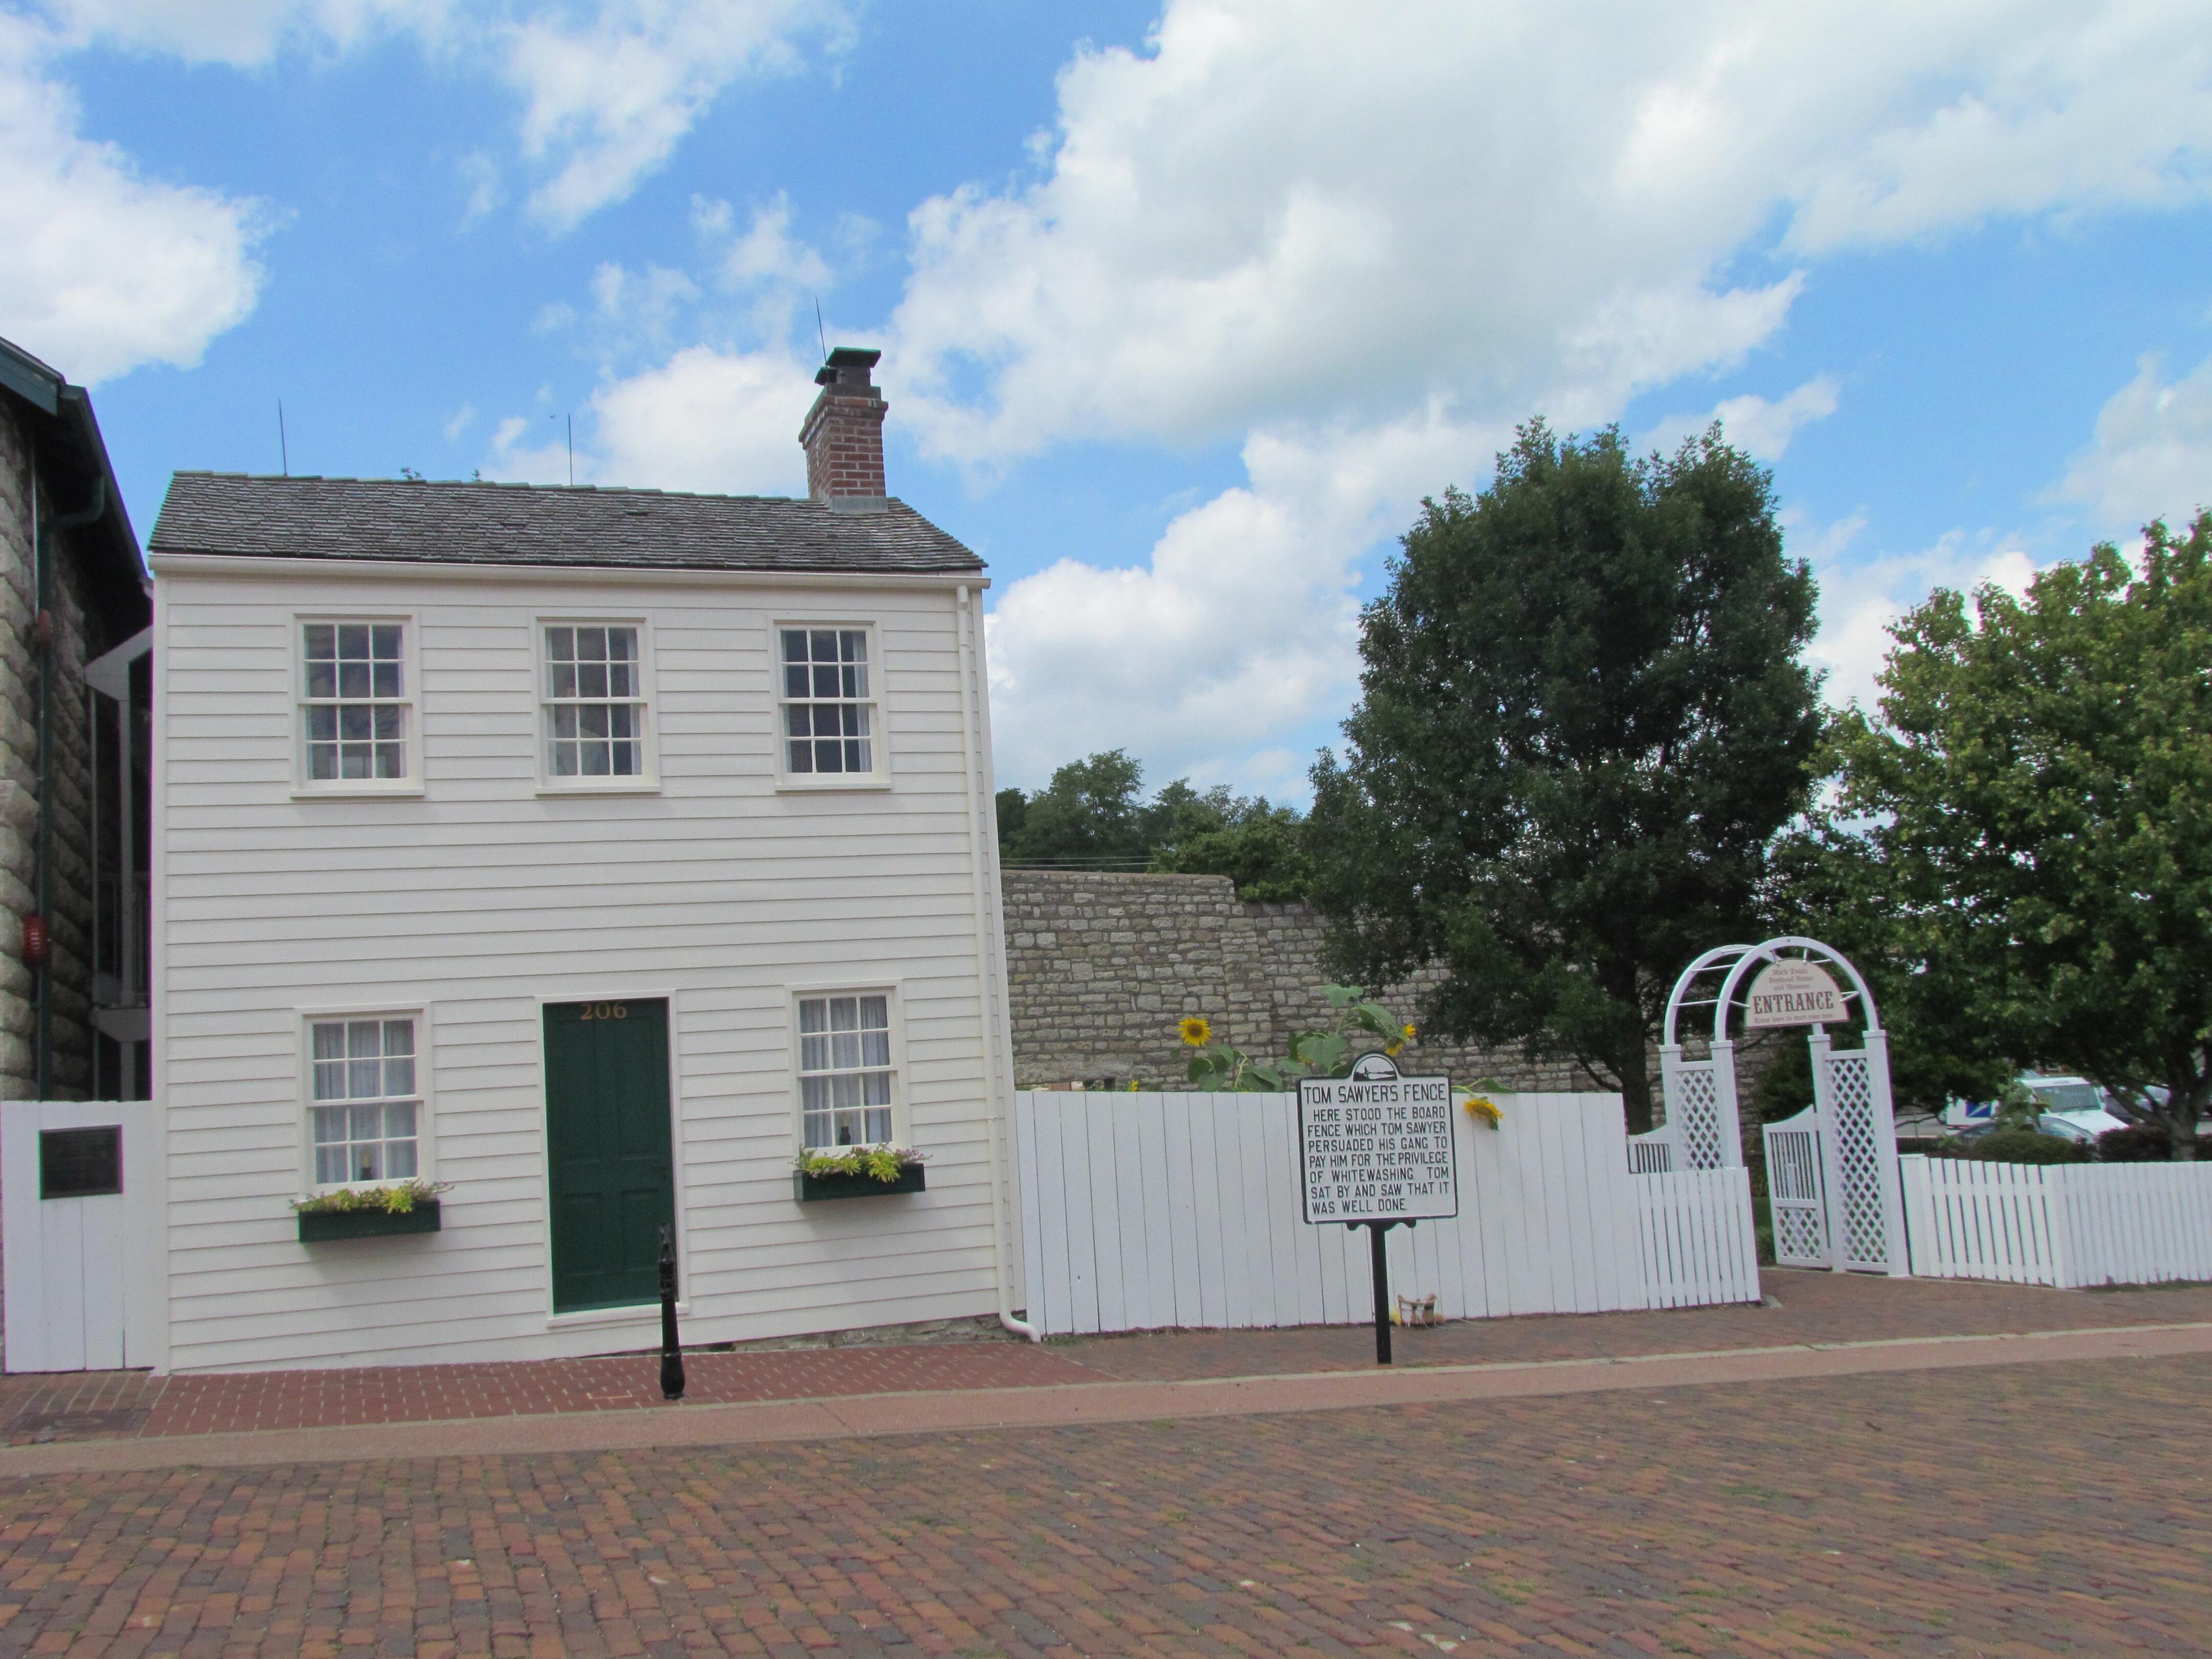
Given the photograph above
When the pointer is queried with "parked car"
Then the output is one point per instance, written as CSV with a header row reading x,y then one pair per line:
x,y
2079,1125
2068,1096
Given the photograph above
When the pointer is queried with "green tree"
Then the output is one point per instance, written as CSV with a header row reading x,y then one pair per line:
x,y
2036,794
1088,814
1091,813
1942,1045
1583,718
1263,852
1013,812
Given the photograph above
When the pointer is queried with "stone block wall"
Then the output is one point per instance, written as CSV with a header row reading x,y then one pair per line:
x,y
1101,967
69,888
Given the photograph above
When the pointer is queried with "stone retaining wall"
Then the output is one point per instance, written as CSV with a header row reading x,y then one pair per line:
x,y
1101,967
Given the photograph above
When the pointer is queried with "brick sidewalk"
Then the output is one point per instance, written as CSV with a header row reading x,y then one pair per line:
x,y
1812,1308
2020,1510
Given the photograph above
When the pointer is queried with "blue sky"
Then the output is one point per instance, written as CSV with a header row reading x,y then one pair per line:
x,y
1185,305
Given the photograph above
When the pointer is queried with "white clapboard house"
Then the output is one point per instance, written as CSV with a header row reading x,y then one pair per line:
x,y
594,851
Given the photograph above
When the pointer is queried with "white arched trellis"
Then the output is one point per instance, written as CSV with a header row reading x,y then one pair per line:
x,y
1832,1171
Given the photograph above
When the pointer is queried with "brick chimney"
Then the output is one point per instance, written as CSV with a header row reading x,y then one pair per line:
x,y
843,434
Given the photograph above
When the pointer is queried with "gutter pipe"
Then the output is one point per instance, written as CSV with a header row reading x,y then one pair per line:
x,y
989,947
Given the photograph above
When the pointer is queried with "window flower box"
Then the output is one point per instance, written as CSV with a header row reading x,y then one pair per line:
x,y
328,1226
870,1172
411,1207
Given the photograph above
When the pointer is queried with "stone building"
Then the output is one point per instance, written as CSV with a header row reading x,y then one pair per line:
x,y
75,696
1101,968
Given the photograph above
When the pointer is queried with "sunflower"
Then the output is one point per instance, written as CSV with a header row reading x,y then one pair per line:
x,y
1391,1050
1409,1034
1483,1110
1195,1030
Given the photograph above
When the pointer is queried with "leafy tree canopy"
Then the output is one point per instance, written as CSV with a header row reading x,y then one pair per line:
x,y
1583,718
2034,803
1092,815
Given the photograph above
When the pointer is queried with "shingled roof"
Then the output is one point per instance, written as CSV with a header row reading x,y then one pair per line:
x,y
404,520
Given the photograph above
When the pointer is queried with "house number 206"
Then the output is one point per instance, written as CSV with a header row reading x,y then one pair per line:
x,y
605,1010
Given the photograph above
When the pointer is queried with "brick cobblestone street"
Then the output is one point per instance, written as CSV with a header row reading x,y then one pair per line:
x,y
2023,1509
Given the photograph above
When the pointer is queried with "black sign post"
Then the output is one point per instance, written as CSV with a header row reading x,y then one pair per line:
x,y
671,1349
1380,1261
1376,1149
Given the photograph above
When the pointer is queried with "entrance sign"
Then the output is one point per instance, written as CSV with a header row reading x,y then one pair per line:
x,y
1793,992
1833,1179
1377,1146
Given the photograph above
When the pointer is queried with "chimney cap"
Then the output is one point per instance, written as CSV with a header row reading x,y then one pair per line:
x,y
844,359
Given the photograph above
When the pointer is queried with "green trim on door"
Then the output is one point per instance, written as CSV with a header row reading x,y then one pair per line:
x,y
608,1151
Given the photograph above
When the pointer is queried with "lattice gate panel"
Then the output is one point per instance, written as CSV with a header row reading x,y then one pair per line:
x,y
1795,1201
1861,1174
1694,1111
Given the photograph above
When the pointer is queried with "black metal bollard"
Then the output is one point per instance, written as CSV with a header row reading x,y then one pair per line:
x,y
1380,1259
671,1350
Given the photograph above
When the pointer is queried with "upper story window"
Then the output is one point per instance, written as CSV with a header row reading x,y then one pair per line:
x,y
356,705
845,1071
594,706
365,1111
829,703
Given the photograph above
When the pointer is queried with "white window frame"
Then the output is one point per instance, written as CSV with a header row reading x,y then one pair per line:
x,y
550,783
901,1129
876,702
425,1140
305,785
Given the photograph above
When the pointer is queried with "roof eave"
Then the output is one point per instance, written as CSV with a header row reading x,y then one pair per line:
x,y
174,561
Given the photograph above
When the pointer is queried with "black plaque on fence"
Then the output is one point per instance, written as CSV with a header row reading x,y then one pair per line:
x,y
81,1163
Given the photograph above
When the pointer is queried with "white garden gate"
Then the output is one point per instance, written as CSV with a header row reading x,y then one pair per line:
x,y
80,1236
1832,1174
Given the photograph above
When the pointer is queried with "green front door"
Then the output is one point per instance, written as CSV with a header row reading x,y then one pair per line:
x,y
607,1142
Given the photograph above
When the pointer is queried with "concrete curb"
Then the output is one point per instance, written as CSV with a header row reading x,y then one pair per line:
x,y
1064,1405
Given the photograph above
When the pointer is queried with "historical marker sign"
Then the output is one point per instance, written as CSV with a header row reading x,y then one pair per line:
x,y
1792,992
1375,1146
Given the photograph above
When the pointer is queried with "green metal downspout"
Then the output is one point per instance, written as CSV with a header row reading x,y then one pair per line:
x,y
43,632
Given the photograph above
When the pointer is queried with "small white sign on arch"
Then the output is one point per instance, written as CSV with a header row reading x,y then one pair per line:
x,y
1832,1171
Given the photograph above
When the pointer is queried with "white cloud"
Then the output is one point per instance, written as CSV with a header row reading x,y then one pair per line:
x,y
1861,598
1760,429
1240,626
608,88
606,100
1373,238
724,423
103,268
2151,456
1294,209
460,420
243,33
766,252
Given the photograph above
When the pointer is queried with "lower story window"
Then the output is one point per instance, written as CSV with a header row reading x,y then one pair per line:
x,y
845,1070
367,1113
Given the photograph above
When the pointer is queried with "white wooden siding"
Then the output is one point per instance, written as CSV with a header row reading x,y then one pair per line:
x,y
480,898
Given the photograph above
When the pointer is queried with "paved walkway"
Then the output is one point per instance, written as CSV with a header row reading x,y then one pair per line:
x,y
1809,1323
2031,1510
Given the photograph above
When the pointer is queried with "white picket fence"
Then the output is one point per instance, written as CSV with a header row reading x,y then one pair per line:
x,y
2070,1225
1145,1211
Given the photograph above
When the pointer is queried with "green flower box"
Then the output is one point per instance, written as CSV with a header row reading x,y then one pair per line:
x,y
814,1188
328,1226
